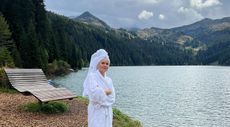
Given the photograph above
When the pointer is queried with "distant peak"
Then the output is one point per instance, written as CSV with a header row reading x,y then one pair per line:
x,y
86,14
207,19
88,18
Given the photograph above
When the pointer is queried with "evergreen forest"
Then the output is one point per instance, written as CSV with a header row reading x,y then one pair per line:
x,y
31,37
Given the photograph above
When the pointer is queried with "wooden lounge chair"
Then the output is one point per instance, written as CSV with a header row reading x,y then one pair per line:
x,y
33,81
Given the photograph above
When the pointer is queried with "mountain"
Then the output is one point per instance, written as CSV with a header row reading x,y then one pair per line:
x,y
169,36
215,35
165,35
88,18
203,42
54,37
205,25
125,48
208,31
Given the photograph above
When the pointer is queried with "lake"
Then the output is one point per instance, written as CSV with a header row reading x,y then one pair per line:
x,y
167,96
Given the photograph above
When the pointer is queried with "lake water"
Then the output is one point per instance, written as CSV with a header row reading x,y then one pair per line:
x,y
168,96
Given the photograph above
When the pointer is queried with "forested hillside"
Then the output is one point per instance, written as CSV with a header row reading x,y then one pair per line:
x,y
40,37
36,41
31,37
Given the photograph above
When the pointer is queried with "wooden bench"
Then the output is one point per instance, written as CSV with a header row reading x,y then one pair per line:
x,y
33,81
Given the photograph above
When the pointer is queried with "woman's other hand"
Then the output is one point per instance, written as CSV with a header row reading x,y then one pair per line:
x,y
108,91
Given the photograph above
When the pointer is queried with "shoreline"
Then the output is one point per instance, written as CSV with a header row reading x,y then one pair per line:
x,y
12,114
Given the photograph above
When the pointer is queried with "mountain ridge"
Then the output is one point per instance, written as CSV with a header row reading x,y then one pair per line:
x,y
89,18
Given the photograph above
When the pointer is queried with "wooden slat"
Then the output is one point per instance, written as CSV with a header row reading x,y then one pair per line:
x,y
32,88
26,76
22,70
54,94
18,76
39,73
28,81
35,82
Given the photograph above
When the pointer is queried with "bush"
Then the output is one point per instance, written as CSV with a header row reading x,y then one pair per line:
x,y
122,120
57,68
47,108
4,82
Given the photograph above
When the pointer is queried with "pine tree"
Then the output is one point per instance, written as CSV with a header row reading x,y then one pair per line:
x,y
5,34
5,58
7,41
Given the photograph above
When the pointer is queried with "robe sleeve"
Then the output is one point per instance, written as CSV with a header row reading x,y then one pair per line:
x,y
97,94
110,99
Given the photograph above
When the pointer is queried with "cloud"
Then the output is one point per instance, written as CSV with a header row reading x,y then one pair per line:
x,y
190,13
161,17
204,4
131,12
176,3
144,15
150,1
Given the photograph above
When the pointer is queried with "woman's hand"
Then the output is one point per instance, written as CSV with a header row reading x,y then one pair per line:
x,y
108,91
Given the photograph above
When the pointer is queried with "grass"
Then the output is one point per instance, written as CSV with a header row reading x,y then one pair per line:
x,y
7,90
122,120
82,99
47,108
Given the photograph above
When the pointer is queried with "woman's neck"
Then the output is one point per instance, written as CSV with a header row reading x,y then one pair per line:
x,y
102,74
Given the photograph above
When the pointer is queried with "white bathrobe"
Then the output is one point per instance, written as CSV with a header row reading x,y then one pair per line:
x,y
100,112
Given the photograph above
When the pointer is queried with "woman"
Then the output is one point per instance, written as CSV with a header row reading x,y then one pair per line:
x,y
99,88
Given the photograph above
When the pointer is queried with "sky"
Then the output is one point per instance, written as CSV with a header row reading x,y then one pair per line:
x,y
143,13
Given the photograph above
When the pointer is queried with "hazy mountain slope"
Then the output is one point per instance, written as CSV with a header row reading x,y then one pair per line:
x,y
208,31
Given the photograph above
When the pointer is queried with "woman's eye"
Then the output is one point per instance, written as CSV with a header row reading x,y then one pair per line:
x,y
104,63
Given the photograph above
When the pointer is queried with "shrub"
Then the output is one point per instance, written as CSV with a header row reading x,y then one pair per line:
x,y
4,82
57,68
47,108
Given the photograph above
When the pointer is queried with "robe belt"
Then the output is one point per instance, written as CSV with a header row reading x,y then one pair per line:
x,y
105,108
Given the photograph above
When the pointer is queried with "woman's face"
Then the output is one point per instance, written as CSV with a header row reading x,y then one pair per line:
x,y
103,66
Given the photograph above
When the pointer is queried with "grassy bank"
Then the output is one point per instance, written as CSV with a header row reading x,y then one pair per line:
x,y
122,120
119,119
